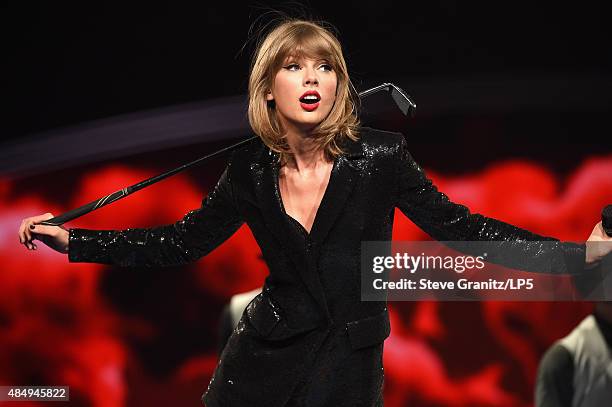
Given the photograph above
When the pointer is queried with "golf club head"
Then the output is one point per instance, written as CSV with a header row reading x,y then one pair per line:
x,y
402,100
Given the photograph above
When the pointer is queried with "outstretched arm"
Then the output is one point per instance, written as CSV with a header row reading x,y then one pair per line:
x,y
198,233
419,199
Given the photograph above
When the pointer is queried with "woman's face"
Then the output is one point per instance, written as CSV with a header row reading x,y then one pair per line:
x,y
304,91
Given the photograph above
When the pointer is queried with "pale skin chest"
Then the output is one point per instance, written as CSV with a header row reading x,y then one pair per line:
x,y
302,192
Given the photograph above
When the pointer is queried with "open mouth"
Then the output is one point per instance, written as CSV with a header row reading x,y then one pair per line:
x,y
310,100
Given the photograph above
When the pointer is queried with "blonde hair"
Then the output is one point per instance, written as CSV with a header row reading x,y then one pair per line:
x,y
301,38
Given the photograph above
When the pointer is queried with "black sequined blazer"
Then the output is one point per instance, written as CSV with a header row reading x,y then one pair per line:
x,y
313,290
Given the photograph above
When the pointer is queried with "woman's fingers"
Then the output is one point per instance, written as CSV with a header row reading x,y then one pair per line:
x,y
598,233
26,229
29,222
43,230
45,234
40,218
599,244
22,232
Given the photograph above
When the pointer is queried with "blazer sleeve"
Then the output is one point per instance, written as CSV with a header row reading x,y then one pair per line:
x,y
431,210
198,233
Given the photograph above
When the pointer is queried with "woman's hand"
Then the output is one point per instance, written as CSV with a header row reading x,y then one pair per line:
x,y
595,249
56,237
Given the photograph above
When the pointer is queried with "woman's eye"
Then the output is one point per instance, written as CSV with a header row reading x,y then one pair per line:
x,y
326,67
292,67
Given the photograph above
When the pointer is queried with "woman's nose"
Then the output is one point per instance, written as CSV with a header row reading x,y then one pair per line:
x,y
310,77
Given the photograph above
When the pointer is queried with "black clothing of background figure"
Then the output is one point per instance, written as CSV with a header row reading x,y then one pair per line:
x,y
310,310
556,371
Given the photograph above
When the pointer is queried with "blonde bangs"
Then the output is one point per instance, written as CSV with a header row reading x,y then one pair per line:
x,y
297,39
304,44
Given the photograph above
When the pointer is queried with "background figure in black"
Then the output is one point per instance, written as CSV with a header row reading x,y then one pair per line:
x,y
576,371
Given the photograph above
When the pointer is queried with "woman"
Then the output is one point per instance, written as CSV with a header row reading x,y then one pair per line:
x,y
311,190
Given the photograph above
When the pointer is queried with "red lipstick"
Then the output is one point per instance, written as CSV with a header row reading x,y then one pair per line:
x,y
310,100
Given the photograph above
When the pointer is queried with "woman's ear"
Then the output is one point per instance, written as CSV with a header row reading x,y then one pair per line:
x,y
269,96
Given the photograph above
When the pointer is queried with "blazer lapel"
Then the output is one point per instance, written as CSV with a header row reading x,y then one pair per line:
x,y
342,181
268,195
